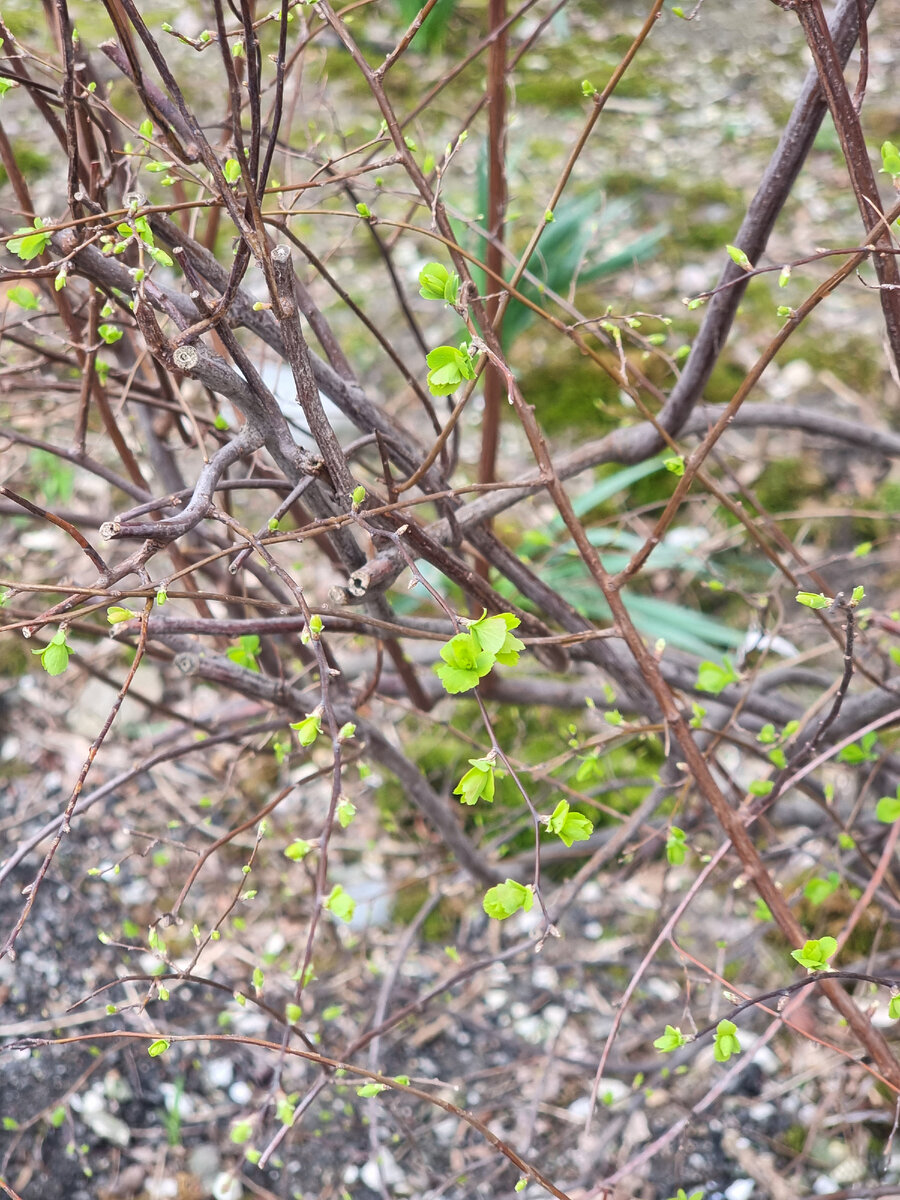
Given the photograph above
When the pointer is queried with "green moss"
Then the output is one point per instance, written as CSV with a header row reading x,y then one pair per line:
x,y
794,1138
574,395
786,483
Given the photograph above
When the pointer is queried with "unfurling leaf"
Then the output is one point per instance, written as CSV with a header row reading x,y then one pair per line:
x,y
507,898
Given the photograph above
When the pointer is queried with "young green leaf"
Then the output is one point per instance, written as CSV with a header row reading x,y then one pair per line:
x,y
30,241
160,256
737,255
464,663
24,297
762,912
726,1042
55,655
813,600
815,953
477,783
887,810
308,729
894,1008
245,652
341,903
297,850
115,614
675,465
676,849
494,634
241,1132
817,890
890,159
449,366
711,677
232,170
507,898
155,1049
437,283
569,826
863,751
345,812
371,1089
671,1040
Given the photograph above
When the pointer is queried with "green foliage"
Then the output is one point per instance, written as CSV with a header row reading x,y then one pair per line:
x,y
681,1194
469,656
726,1042
297,850
507,898
818,890
245,652
371,1089
449,366
345,812
241,1132
24,297
160,1046
890,160
711,677
29,241
738,256
887,810
477,783
569,826
894,1008
860,752
671,1040
308,729
115,614
465,663
814,600
676,849
437,283
815,953
341,903
55,655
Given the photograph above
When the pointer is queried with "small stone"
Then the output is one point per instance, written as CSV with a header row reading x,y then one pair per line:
x,y
226,1187
384,1169
240,1092
111,1128
741,1189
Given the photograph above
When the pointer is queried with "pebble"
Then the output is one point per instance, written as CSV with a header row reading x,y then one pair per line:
x,y
383,1168
161,1189
111,1128
240,1092
741,1189
226,1187
219,1072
